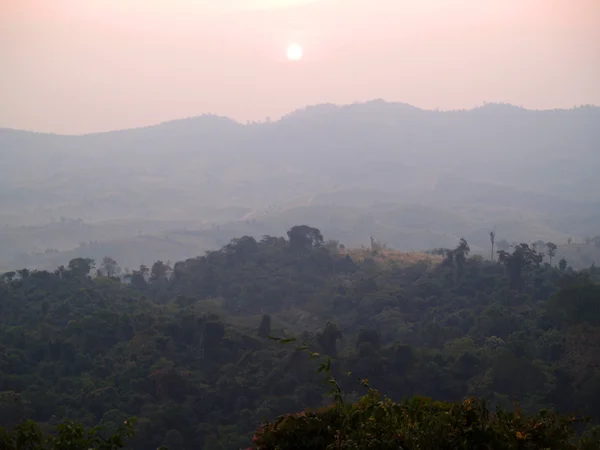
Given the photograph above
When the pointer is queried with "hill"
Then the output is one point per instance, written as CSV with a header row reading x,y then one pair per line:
x,y
186,349
413,178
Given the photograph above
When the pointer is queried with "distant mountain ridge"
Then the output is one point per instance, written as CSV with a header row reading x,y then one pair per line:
x,y
532,172
317,110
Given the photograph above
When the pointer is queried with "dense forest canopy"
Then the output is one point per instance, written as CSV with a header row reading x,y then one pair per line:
x,y
187,348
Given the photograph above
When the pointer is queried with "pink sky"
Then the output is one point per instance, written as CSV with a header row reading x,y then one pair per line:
x,y
77,66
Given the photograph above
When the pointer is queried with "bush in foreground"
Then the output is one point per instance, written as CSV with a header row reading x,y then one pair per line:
x,y
420,423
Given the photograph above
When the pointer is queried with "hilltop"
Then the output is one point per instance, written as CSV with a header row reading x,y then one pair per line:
x,y
413,178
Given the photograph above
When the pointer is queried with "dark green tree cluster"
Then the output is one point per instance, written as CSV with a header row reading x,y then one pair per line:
x,y
185,349
68,435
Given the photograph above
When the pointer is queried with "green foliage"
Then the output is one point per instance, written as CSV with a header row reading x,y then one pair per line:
x,y
184,349
417,423
67,436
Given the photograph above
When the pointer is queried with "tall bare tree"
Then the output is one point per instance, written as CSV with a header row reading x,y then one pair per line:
x,y
493,241
551,246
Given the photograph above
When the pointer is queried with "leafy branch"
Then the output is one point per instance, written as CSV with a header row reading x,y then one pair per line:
x,y
335,390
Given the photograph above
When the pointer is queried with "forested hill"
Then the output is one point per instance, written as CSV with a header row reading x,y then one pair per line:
x,y
186,349
416,179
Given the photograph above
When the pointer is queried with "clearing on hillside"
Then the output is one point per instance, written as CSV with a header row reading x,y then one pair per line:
x,y
388,257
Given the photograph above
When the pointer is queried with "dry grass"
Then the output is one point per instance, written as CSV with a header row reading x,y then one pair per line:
x,y
389,257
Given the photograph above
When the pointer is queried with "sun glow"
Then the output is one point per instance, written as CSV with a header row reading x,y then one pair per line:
x,y
294,52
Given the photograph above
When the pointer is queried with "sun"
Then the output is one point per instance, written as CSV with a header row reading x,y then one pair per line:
x,y
294,52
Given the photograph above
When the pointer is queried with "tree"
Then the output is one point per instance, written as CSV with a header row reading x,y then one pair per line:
x,y
81,267
23,273
264,330
303,237
67,436
109,267
578,300
67,343
9,276
12,411
492,240
328,337
562,264
138,277
551,246
462,251
523,256
457,257
159,271
241,249
448,256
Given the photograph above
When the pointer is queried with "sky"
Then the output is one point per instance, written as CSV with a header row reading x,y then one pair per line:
x,y
81,66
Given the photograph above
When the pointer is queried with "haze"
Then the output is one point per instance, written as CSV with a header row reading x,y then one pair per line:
x,y
416,122
406,188
74,67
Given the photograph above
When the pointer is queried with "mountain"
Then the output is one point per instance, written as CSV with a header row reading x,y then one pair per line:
x,y
413,177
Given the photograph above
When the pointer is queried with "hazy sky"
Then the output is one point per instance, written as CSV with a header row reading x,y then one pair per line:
x,y
76,66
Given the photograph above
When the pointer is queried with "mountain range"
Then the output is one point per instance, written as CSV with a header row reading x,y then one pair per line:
x,y
415,179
